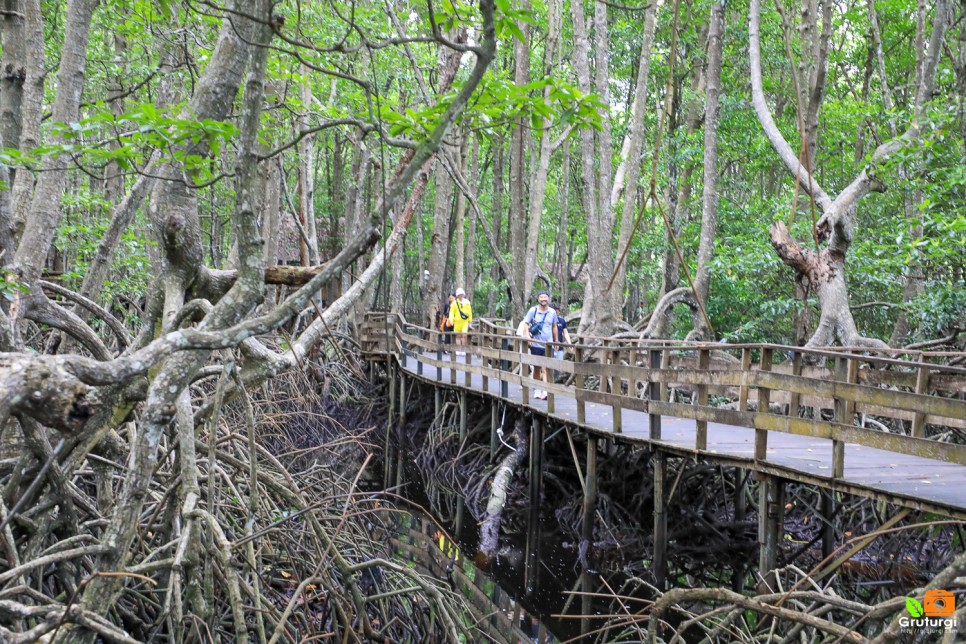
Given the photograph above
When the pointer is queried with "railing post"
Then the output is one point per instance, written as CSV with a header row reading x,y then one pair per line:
x,y
579,384
614,382
484,344
504,366
656,357
922,386
467,376
665,366
846,370
764,406
524,388
701,393
439,359
795,400
746,371
452,362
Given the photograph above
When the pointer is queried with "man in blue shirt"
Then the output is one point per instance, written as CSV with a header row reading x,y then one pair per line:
x,y
541,324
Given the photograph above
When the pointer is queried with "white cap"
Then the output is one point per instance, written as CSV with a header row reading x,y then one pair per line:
x,y
459,292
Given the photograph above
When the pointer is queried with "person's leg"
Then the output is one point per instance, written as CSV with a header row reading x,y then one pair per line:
x,y
536,351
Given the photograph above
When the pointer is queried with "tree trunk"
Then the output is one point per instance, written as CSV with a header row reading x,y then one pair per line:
x,y
631,159
496,144
518,206
490,526
306,148
354,196
439,245
599,313
825,270
13,73
45,211
538,186
31,111
709,200
564,256
474,180
459,220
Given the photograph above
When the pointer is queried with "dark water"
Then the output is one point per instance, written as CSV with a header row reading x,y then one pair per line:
x,y
542,582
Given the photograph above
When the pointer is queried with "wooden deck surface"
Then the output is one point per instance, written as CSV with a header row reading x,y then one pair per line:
x,y
909,481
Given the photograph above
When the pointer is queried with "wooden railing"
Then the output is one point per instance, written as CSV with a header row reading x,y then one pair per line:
x,y
421,542
767,387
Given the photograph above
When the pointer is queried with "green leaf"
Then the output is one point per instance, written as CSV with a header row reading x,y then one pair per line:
x,y
914,607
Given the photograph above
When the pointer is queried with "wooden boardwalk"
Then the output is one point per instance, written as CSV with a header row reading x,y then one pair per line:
x,y
909,481
629,402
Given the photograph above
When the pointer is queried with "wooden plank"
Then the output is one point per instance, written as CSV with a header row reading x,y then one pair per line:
x,y
712,414
604,398
943,407
897,443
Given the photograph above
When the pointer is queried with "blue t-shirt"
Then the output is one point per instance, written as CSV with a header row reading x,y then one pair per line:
x,y
546,320
561,327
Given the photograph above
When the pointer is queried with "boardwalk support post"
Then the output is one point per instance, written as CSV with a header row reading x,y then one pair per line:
x,y
402,398
771,518
587,532
741,478
494,438
387,454
828,525
462,402
659,563
536,491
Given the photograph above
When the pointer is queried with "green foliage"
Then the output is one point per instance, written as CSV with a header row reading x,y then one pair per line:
x,y
195,144
940,307
10,284
78,238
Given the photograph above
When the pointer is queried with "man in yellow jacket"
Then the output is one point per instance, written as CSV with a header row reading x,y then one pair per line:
x,y
460,316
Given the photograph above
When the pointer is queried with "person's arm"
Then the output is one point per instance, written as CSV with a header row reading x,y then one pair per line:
x,y
452,313
556,332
